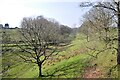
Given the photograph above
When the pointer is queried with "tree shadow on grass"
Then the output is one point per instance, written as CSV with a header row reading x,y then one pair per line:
x,y
68,70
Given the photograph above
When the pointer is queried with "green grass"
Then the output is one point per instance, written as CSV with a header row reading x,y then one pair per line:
x,y
105,62
13,33
68,66
74,62
69,63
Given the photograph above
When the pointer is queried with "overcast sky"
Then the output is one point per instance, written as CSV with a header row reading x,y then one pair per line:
x,y
66,12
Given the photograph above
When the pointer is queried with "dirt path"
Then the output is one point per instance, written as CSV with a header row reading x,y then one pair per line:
x,y
92,72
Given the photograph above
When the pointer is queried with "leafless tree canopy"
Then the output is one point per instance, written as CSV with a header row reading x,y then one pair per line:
x,y
114,7
39,30
40,38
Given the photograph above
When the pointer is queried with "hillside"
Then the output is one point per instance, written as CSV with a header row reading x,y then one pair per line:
x,y
74,60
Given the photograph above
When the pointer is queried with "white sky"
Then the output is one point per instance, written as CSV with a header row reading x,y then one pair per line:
x,y
12,11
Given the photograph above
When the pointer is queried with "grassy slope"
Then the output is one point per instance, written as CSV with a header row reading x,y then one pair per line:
x,y
73,61
68,63
105,59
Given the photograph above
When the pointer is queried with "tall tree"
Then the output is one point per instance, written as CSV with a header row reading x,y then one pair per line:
x,y
40,38
98,20
114,7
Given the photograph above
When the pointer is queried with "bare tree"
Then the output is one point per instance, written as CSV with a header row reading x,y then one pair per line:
x,y
40,38
114,7
66,31
99,20
85,28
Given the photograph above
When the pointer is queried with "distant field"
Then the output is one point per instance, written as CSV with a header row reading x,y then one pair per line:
x,y
14,33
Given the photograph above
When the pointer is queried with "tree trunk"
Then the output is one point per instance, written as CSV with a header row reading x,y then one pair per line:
x,y
40,69
118,52
100,37
87,38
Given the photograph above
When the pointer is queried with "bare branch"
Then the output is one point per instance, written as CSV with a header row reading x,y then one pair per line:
x,y
105,6
25,59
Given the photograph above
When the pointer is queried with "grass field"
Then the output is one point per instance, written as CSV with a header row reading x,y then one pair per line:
x,y
71,62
